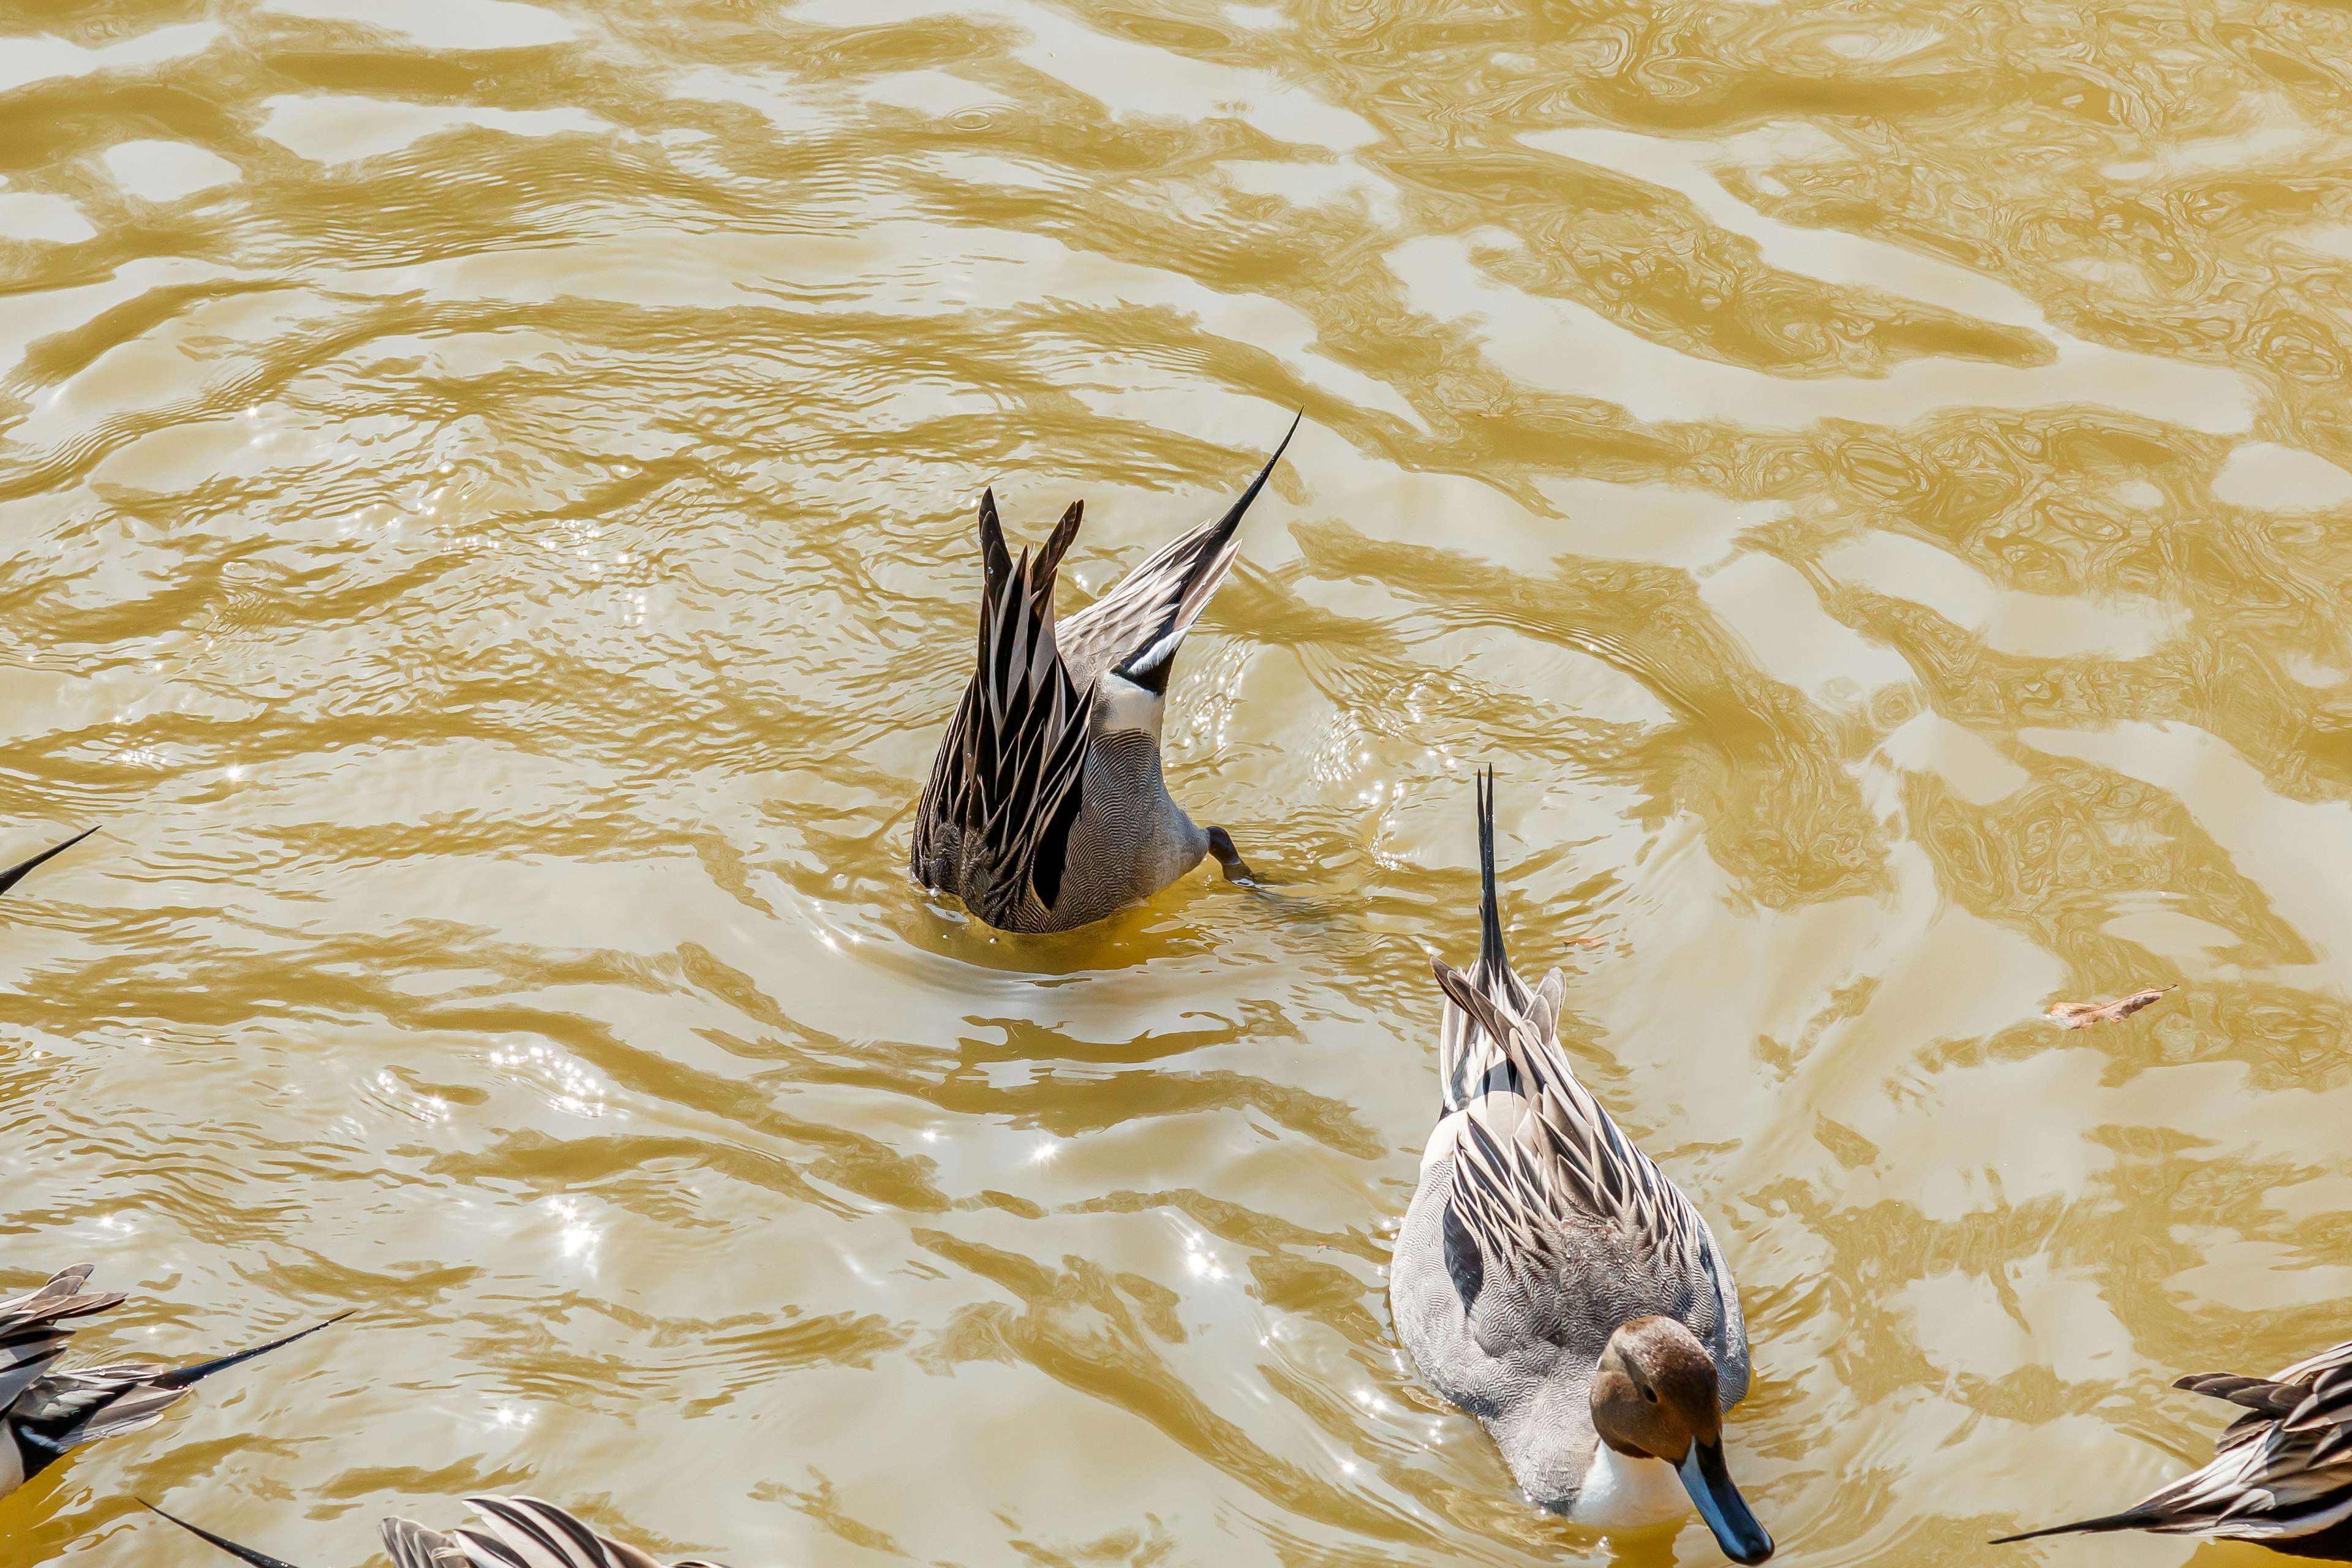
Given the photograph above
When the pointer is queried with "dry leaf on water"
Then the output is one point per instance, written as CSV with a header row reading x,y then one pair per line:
x,y
1584,941
2083,1015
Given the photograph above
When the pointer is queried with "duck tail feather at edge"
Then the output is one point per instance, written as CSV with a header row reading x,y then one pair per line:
x,y
1149,665
16,874
2128,1520
242,1554
183,1377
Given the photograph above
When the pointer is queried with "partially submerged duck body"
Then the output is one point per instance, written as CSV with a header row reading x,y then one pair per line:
x,y
1551,1282
1046,808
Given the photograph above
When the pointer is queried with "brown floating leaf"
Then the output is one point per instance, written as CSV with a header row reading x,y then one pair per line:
x,y
2083,1015
1584,941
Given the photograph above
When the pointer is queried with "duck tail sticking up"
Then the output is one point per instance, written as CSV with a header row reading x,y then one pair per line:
x,y
1202,558
1492,959
1467,1054
1134,630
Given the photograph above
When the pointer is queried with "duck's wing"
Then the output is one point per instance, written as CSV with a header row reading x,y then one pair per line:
x,y
34,1328
1137,627
2273,1477
1006,787
524,1532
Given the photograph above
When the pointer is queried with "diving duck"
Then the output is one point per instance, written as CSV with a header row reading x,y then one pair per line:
x,y
2281,1474
47,1411
1552,1283
516,1532
1046,808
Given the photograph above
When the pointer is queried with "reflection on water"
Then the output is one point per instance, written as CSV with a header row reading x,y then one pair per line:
x,y
486,510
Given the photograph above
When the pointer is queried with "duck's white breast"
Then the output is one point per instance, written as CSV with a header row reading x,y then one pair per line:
x,y
1619,1493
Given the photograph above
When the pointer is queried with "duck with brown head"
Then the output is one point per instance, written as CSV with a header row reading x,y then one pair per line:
x,y
1550,1282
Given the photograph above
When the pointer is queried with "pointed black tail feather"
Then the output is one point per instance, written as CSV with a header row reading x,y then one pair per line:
x,y
1213,551
181,1377
243,1553
1492,959
16,874
1232,518
2128,1519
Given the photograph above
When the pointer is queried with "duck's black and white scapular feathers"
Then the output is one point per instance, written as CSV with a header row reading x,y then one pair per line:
x,y
1045,807
515,1533
47,1411
2281,1474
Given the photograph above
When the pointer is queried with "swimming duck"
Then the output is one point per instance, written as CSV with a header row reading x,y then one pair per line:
x,y
16,874
520,1532
1550,1282
2281,1475
1045,808
45,1413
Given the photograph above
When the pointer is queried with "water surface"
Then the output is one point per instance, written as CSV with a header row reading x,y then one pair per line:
x,y
486,525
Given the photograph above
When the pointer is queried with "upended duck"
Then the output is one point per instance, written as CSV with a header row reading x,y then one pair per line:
x,y
45,1411
2281,1474
1046,808
516,1532
16,874
1550,1282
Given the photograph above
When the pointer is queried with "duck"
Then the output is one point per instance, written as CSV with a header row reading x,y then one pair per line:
x,y
2281,1474
1047,809
16,874
47,1411
1549,1280
517,1532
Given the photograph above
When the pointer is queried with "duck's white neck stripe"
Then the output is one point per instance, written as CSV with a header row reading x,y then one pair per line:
x,y
1624,1493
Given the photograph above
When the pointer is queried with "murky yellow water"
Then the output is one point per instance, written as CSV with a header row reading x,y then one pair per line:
x,y
484,522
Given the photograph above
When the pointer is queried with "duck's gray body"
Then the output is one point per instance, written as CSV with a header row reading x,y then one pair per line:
x,y
1046,808
1537,1230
